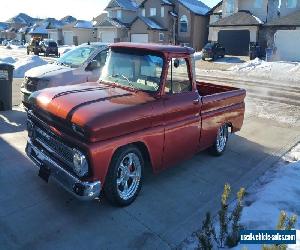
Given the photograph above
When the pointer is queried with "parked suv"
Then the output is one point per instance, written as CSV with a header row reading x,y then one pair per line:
x,y
80,65
34,46
213,50
49,47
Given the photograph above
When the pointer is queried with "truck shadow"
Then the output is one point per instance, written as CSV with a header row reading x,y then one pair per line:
x,y
172,199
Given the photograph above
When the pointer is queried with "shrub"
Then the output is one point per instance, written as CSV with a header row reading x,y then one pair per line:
x,y
208,235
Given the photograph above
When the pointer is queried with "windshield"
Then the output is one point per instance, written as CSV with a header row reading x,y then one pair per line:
x,y
139,71
52,44
76,57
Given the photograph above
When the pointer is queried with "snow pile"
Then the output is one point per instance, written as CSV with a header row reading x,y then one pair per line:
x,y
293,155
286,71
25,64
8,59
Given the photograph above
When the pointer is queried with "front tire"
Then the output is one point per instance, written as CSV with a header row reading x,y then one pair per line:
x,y
124,179
220,144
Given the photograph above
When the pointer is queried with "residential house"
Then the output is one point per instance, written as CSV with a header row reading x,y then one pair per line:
x,y
283,33
268,23
169,21
78,32
192,23
39,30
23,35
3,28
156,21
238,25
120,14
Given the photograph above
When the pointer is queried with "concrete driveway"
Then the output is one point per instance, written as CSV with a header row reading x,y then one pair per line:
x,y
36,215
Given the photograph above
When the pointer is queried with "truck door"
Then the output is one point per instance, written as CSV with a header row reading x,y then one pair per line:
x,y
182,114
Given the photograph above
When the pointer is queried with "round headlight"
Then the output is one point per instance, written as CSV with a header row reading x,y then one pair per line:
x,y
80,164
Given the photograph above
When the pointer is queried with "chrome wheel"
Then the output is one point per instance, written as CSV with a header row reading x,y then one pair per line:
x,y
129,176
222,138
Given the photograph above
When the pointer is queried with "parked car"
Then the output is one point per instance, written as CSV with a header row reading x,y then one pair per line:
x,y
49,47
143,112
213,50
79,65
34,46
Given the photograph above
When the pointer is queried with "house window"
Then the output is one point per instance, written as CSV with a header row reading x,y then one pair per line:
x,y
152,11
108,14
119,14
230,6
184,24
162,11
143,12
258,4
291,4
161,37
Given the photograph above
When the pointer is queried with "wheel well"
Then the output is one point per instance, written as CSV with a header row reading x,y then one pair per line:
x,y
144,151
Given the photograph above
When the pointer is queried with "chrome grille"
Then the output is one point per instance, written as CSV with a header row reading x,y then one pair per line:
x,y
59,149
30,84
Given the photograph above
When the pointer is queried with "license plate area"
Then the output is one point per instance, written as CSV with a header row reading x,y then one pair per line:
x,y
44,173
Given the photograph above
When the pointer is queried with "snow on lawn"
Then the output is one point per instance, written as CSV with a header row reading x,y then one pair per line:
x,y
277,190
257,68
23,64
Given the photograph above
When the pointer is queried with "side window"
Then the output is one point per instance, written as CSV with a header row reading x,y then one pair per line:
x,y
178,79
101,58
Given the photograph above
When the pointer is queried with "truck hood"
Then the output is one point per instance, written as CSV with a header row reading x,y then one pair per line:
x,y
47,70
102,111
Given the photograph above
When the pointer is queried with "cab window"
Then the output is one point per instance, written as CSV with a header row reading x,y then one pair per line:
x,y
101,58
178,79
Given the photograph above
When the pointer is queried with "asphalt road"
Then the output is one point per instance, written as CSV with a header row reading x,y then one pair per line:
x,y
171,205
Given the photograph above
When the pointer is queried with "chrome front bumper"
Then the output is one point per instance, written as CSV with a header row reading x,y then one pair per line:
x,y
81,190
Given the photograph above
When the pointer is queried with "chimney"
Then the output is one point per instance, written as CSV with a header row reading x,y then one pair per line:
x,y
272,10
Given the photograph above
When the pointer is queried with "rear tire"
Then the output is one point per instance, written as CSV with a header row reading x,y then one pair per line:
x,y
124,178
220,144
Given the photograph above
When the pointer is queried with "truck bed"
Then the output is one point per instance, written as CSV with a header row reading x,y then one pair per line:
x,y
206,89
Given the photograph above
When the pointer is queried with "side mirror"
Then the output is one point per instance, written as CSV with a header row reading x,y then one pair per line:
x,y
92,66
176,63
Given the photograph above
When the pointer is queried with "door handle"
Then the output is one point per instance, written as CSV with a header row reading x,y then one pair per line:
x,y
196,101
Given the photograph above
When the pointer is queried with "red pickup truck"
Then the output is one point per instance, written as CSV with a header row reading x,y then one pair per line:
x,y
147,109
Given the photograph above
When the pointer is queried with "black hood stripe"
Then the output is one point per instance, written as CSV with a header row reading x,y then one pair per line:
x,y
77,91
74,109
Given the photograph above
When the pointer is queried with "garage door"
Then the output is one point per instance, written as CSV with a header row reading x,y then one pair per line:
x,y
287,45
139,38
53,36
236,42
108,36
68,37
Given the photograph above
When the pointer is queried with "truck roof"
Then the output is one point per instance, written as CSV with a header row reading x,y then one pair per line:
x,y
155,47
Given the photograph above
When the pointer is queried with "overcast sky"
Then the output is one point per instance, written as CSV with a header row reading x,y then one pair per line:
x,y
81,9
